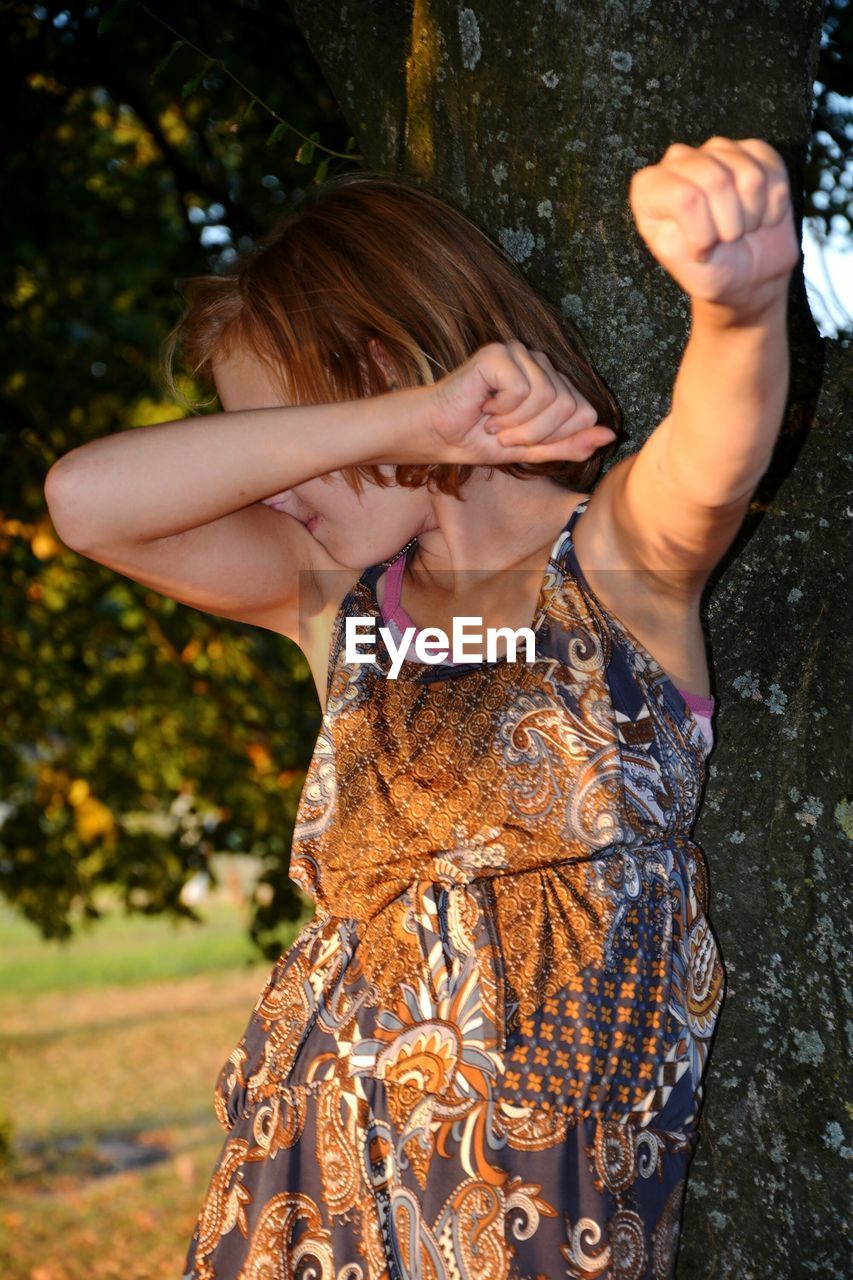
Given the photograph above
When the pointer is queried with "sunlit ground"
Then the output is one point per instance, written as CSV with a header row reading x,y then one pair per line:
x,y
110,1052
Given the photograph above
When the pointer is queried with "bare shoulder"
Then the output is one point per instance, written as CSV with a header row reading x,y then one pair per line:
x,y
664,619
327,584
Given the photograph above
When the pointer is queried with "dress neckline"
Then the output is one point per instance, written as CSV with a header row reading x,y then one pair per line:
x,y
393,611
421,670
437,671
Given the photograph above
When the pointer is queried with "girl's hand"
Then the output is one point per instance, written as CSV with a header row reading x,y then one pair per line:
x,y
508,404
719,219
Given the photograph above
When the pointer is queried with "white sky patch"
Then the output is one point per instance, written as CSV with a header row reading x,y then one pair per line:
x,y
828,268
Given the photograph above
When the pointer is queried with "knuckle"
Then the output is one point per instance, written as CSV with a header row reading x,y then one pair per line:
x,y
690,197
764,153
761,144
719,178
754,178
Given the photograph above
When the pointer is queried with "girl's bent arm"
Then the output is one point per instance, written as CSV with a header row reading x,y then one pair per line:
x,y
153,482
175,506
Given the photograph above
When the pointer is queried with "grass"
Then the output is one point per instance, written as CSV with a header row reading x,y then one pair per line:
x,y
119,950
111,1047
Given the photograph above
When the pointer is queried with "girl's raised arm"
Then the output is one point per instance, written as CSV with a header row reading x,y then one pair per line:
x,y
719,218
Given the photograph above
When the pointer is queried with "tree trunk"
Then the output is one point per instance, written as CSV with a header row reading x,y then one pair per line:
x,y
533,118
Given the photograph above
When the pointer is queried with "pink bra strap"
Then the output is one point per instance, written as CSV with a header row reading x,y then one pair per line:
x,y
393,586
702,706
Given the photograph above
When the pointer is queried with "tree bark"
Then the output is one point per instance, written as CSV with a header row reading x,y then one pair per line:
x,y
532,118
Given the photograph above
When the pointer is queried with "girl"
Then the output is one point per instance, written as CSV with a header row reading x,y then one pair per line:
x,y
484,1056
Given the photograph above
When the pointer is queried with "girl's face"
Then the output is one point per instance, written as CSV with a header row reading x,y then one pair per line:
x,y
355,529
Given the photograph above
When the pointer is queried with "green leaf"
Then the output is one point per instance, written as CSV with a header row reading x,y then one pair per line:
x,y
164,62
107,19
276,133
305,154
322,170
192,86
350,144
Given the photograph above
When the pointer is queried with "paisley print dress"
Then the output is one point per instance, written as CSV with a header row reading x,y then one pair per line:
x,y
483,1058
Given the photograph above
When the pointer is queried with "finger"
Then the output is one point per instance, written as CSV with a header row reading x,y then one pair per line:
x,y
571,390
569,413
751,178
778,196
715,179
579,444
543,388
545,365
559,423
777,184
557,379
540,372
667,196
504,378
557,417
561,382
576,448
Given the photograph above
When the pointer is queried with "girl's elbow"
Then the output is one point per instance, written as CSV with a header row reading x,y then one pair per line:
x,y
64,503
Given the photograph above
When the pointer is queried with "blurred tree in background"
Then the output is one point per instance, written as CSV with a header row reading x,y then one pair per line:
x,y
829,174
136,735
150,143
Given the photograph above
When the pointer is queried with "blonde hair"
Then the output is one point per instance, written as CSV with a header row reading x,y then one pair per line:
x,y
371,255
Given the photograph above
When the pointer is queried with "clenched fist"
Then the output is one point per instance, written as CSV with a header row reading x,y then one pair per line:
x,y
508,404
719,219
